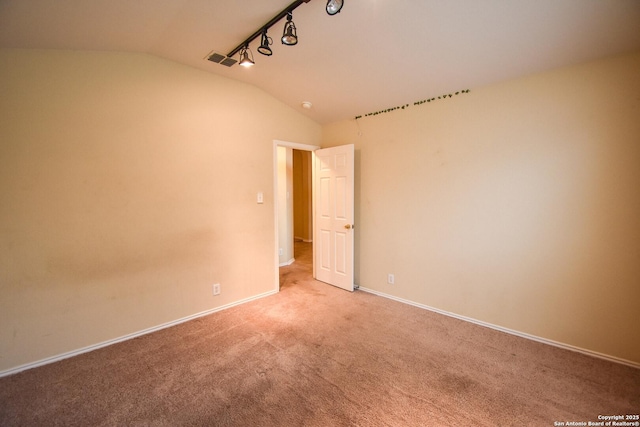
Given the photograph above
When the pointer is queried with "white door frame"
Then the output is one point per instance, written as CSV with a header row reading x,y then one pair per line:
x,y
295,146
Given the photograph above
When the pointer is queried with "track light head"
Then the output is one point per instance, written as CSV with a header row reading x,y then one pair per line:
x,y
289,38
289,35
246,57
264,44
334,6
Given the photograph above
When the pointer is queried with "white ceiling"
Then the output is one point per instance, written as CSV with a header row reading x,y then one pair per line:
x,y
374,55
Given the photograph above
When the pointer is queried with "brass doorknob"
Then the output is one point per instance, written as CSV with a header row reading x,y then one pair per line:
x,y
348,226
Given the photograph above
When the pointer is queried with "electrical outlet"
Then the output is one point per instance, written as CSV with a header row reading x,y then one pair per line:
x,y
391,279
216,289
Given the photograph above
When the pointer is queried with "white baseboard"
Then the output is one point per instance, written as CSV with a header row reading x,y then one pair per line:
x,y
284,264
507,330
87,349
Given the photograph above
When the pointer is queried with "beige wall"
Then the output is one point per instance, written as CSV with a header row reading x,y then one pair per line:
x,y
516,204
285,205
127,187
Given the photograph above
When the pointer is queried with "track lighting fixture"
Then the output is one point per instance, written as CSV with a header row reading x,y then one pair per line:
x,y
264,44
289,35
246,57
334,6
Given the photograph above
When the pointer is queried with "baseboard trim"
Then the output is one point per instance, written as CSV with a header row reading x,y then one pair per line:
x,y
87,349
284,264
507,330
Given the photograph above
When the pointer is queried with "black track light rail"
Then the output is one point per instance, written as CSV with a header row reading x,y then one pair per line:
x,y
268,25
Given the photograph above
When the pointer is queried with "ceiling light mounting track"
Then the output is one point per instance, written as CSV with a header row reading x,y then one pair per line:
x,y
285,12
289,36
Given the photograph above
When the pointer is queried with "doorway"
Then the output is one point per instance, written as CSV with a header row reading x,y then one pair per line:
x,y
332,211
293,166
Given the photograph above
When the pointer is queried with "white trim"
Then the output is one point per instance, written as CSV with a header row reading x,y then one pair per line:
x,y
291,261
87,349
314,174
507,330
296,145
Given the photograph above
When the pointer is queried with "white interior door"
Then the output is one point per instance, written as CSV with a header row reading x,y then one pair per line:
x,y
333,222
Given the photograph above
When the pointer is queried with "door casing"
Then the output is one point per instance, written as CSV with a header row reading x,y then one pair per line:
x,y
295,146
314,160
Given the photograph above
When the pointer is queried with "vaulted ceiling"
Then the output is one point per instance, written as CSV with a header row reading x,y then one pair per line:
x,y
373,55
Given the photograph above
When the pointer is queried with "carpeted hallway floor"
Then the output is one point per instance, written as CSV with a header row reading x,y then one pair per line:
x,y
315,355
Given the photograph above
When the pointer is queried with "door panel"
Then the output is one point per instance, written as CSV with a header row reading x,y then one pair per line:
x,y
333,228
324,250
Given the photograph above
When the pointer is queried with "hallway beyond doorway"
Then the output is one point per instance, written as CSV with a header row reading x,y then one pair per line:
x,y
301,269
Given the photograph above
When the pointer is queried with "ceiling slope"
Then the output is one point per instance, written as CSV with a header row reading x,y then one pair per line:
x,y
375,54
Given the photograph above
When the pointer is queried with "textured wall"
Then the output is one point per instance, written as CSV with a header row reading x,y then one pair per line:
x,y
285,204
127,187
516,204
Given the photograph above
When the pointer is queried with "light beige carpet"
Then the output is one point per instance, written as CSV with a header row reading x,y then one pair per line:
x,y
314,355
